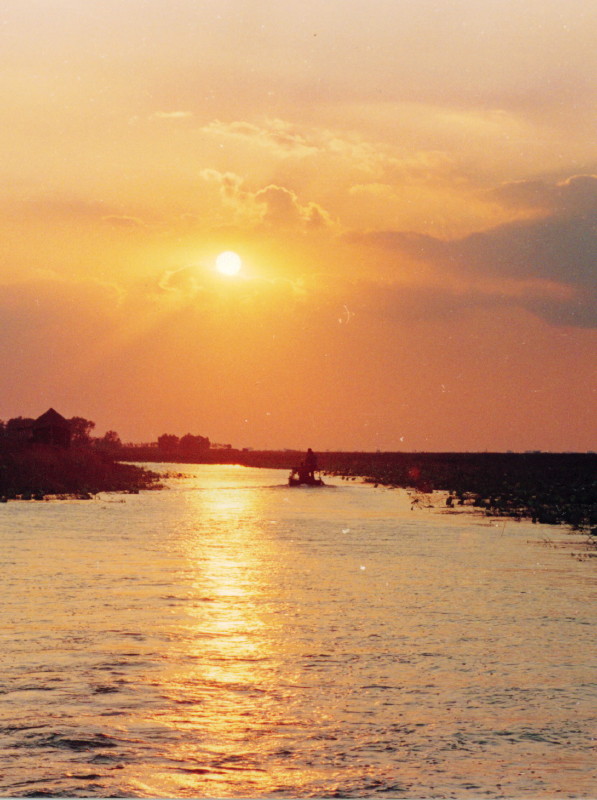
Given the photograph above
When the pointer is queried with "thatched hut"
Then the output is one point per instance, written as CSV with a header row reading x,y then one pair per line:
x,y
52,428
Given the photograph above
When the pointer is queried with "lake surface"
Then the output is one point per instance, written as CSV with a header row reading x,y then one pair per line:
x,y
232,637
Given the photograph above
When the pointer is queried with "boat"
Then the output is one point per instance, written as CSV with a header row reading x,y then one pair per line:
x,y
300,477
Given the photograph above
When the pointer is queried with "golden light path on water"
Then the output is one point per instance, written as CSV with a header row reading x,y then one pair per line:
x,y
232,694
232,637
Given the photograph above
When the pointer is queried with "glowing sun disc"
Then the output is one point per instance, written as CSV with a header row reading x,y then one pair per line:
x,y
229,263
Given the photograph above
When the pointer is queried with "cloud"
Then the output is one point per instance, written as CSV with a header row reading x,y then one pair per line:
x,y
372,160
561,249
275,134
57,207
575,195
229,183
553,248
172,115
546,264
424,303
270,206
71,208
578,312
282,207
420,168
123,221
185,279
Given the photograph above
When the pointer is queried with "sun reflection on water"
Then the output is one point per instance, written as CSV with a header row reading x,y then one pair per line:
x,y
226,693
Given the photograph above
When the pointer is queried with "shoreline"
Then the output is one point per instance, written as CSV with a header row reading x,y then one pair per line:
x,y
36,472
549,488
552,489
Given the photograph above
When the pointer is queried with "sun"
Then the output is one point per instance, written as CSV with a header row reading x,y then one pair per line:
x,y
229,263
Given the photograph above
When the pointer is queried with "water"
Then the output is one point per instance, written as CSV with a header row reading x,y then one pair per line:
x,y
232,637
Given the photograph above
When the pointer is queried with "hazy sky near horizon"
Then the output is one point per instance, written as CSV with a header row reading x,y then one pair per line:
x,y
411,186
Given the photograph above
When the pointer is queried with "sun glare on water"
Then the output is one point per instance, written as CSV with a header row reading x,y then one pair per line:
x,y
229,263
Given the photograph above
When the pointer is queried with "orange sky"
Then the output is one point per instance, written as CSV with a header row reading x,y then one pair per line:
x,y
411,186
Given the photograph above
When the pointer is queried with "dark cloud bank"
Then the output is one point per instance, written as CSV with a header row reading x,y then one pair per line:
x,y
552,255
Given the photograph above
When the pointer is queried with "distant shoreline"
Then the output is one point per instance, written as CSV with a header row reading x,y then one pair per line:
x,y
549,488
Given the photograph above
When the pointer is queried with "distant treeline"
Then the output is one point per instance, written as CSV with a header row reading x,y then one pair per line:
x,y
187,451
20,430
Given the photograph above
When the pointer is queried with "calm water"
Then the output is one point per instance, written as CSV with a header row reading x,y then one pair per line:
x,y
233,637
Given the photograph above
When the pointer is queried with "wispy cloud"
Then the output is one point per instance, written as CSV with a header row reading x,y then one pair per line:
x,y
276,135
172,115
123,221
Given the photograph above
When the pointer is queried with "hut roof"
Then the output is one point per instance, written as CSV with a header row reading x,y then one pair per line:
x,y
51,417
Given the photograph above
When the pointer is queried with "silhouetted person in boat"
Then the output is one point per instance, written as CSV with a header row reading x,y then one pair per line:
x,y
302,472
310,463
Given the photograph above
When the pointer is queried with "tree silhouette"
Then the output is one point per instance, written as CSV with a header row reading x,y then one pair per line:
x,y
80,429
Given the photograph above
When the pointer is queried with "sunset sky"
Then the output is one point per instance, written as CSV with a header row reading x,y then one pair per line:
x,y
411,186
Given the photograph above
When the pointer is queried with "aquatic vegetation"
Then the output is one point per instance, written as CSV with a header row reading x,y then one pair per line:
x,y
550,488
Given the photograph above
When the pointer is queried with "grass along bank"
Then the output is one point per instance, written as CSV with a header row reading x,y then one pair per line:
x,y
32,472
550,488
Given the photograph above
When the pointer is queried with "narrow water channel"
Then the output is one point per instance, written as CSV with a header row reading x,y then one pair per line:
x,y
233,637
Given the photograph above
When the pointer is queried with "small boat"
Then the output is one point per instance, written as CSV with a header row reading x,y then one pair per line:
x,y
300,477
